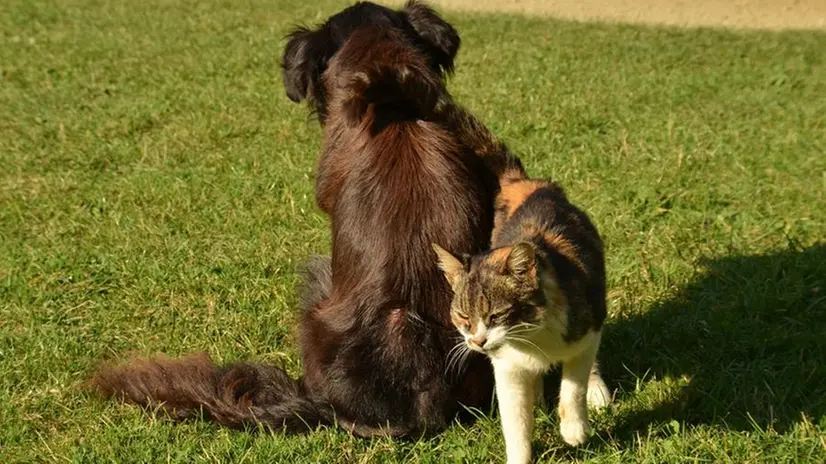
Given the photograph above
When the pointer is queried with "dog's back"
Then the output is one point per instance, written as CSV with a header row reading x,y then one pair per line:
x,y
394,179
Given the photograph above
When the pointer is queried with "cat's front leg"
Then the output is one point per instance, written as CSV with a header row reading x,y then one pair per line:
x,y
573,405
515,392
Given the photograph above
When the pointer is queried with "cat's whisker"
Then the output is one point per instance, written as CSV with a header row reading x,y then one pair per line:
x,y
520,330
516,330
455,356
455,362
460,359
455,347
527,342
451,357
532,344
527,324
466,354
523,327
462,364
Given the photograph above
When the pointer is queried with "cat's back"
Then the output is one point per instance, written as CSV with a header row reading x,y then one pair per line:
x,y
531,207
539,211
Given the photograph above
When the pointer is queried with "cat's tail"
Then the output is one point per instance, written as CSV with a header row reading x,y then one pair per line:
x,y
240,395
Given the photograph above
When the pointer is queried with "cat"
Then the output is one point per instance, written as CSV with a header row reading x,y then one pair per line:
x,y
537,298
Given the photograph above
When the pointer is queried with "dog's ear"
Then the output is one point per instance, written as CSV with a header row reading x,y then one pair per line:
x,y
304,62
441,37
297,64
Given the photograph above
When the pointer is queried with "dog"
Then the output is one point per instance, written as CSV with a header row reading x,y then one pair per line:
x,y
402,166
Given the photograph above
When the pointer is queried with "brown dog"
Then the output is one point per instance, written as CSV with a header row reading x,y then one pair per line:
x,y
403,166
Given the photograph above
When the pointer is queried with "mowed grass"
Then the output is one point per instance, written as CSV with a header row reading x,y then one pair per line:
x,y
156,195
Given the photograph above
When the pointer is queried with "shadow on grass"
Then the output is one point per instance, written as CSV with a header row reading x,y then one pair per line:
x,y
742,347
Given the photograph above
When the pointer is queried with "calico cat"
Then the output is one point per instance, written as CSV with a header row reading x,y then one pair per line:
x,y
537,298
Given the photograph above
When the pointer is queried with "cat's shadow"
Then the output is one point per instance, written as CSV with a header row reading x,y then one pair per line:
x,y
741,346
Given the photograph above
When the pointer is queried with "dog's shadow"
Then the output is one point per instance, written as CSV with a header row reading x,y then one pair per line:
x,y
741,347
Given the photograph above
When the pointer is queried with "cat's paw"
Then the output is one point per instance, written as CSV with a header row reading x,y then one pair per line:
x,y
598,394
519,460
574,432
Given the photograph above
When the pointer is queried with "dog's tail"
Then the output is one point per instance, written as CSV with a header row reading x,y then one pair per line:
x,y
389,76
239,396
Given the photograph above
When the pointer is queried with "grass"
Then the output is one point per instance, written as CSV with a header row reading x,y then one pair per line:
x,y
156,195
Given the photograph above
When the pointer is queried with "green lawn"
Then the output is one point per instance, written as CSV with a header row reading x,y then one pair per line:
x,y
156,195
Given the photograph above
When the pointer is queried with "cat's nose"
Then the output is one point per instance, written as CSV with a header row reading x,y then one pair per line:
x,y
479,340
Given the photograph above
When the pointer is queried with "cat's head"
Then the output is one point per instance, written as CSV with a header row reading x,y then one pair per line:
x,y
496,295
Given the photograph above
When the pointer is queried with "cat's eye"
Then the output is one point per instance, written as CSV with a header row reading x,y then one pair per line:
x,y
461,315
500,314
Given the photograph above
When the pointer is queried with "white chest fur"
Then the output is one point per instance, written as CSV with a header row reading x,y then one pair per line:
x,y
538,350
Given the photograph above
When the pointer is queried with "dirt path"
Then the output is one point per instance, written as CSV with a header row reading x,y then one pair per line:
x,y
752,14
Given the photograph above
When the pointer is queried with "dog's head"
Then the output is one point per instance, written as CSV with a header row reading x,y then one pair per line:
x,y
308,51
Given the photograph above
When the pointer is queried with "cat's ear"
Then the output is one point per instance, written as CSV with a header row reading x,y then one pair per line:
x,y
453,268
522,260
